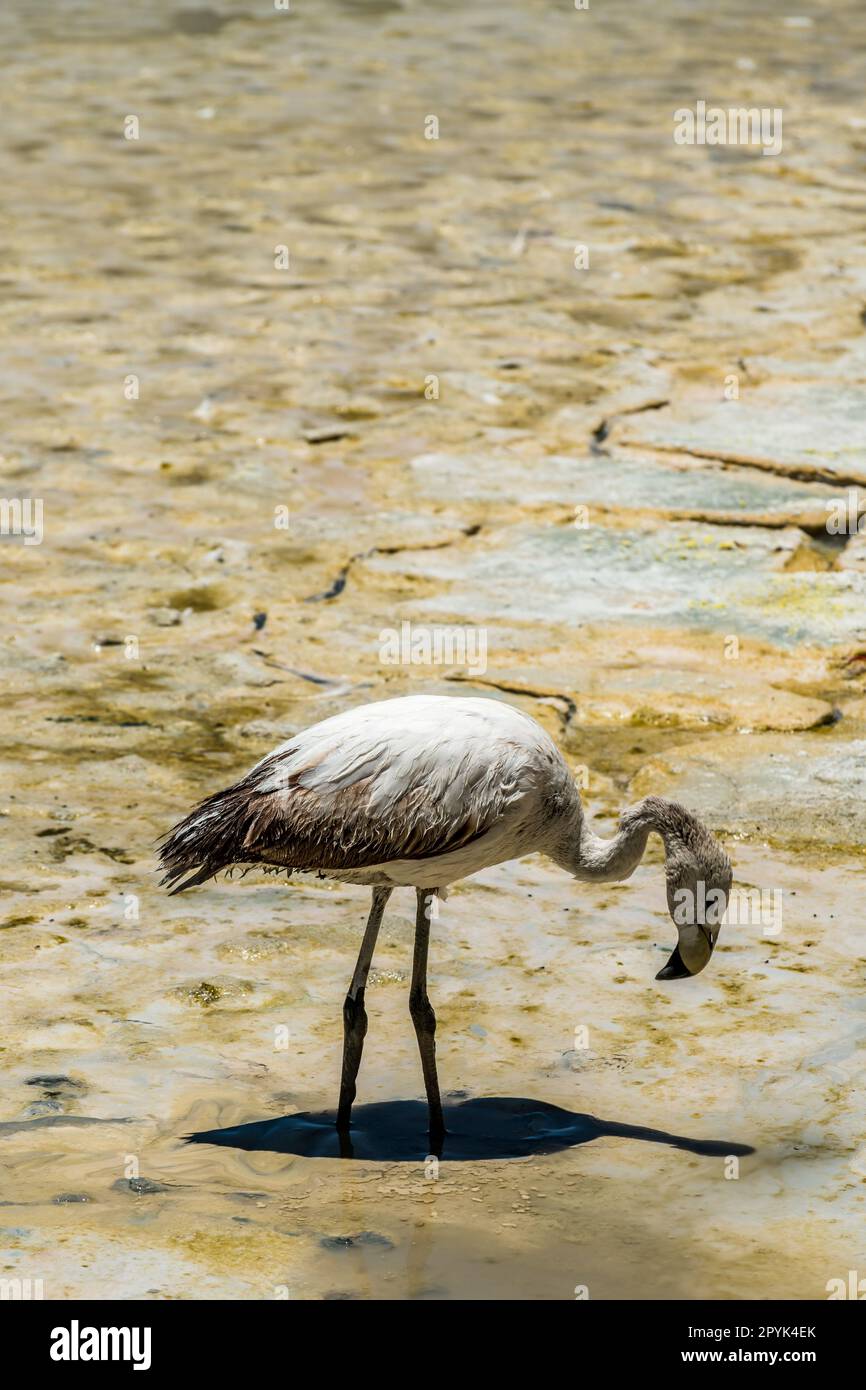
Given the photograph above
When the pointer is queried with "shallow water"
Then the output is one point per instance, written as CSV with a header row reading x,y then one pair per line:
x,y
166,633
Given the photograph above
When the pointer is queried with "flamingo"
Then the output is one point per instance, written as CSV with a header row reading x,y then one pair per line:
x,y
421,791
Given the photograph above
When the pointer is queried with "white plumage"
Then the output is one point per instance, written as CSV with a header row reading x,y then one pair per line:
x,y
435,770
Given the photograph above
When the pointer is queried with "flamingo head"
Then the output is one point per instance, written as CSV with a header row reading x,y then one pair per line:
x,y
697,890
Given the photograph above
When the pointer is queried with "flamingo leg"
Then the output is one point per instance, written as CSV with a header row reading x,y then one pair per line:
x,y
422,1013
354,1014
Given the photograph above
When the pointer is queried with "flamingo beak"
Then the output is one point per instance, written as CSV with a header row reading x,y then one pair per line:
x,y
697,943
675,968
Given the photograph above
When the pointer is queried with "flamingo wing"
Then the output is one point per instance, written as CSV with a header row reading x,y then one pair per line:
x,y
368,787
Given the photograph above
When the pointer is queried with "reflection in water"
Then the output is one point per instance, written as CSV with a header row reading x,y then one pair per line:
x,y
485,1128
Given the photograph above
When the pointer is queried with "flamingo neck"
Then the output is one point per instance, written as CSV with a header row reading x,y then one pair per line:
x,y
608,861
587,856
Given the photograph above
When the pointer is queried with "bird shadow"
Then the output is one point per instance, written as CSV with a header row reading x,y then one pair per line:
x,y
486,1127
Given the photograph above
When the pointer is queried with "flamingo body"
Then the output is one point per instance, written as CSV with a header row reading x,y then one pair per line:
x,y
414,792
